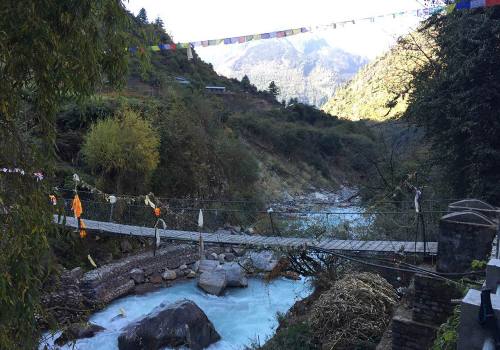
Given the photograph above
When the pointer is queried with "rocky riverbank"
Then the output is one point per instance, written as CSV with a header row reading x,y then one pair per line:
x,y
78,294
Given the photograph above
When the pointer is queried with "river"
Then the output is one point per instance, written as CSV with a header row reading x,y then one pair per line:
x,y
241,316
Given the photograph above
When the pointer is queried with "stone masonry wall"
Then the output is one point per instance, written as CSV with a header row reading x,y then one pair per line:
x,y
432,300
411,335
104,284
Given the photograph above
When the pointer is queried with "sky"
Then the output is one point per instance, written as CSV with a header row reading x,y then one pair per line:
x,y
194,20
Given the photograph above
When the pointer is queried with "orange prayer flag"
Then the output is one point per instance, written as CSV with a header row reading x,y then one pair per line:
x,y
157,212
83,232
77,206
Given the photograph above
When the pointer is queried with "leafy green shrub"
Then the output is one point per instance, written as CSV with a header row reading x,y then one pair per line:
x,y
447,335
122,150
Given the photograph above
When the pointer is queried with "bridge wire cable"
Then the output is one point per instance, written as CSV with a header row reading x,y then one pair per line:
x,y
255,202
410,268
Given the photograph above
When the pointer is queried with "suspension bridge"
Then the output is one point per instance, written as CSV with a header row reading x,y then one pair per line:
x,y
352,246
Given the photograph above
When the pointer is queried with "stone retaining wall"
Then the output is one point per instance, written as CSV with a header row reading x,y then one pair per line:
x,y
432,300
411,335
104,284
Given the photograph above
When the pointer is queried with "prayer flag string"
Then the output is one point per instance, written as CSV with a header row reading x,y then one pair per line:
x,y
423,12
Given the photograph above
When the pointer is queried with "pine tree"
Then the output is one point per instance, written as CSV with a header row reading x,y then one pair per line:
x,y
245,81
274,89
142,17
159,23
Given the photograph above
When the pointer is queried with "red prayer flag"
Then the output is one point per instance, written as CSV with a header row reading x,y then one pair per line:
x,y
492,2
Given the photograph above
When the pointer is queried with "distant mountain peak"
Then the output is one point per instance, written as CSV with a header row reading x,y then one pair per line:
x,y
307,69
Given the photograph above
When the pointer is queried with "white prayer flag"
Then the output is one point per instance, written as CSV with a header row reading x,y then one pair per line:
x,y
200,219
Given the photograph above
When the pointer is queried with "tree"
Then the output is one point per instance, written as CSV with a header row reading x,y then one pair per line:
x,y
245,81
159,23
123,150
142,17
456,99
273,89
49,51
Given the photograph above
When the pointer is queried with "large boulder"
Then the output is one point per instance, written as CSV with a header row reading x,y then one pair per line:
x,y
235,275
213,282
137,275
207,265
264,261
179,324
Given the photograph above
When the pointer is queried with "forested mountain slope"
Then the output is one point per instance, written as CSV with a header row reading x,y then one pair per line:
x,y
239,144
441,83
379,91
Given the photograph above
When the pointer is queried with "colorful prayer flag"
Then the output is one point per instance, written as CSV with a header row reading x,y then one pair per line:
x,y
492,2
462,5
76,206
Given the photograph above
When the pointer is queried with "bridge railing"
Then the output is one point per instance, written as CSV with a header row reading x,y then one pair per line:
x,y
322,220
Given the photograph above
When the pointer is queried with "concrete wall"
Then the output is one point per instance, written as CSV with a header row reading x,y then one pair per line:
x,y
471,334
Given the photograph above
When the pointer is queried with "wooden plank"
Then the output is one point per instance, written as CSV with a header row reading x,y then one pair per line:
x,y
358,244
285,242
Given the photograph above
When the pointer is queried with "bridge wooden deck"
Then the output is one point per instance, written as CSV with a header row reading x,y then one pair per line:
x,y
258,241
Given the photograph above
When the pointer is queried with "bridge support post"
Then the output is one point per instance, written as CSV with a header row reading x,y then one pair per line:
x,y
464,236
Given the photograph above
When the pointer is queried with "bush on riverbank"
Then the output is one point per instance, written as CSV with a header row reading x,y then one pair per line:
x,y
352,314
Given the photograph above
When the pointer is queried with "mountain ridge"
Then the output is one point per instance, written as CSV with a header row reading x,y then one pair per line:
x,y
309,70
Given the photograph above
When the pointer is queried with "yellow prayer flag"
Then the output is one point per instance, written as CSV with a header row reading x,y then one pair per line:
x,y
91,261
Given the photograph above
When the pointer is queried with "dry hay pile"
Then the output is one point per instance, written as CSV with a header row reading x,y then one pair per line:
x,y
355,310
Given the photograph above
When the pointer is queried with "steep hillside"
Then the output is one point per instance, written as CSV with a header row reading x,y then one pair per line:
x,y
308,70
239,144
379,91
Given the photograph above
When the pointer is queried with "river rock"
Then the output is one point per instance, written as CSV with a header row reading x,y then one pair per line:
x,y
229,257
191,274
155,278
222,258
291,275
264,261
213,282
76,273
183,267
169,275
213,256
207,265
137,275
180,324
235,275
78,331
